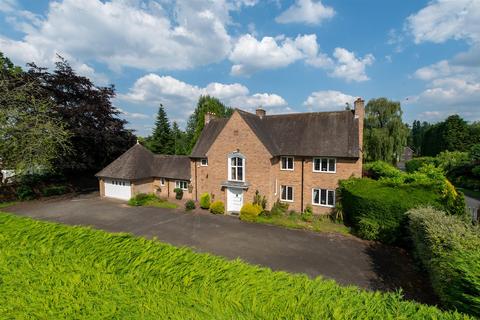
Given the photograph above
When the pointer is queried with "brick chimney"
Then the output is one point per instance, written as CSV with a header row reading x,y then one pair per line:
x,y
260,112
209,116
359,106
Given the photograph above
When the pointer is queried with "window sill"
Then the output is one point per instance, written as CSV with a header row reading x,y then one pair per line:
x,y
287,169
331,172
286,200
323,205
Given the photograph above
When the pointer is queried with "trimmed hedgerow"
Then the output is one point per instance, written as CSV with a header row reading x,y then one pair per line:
x,y
449,250
217,207
53,271
205,200
416,163
376,211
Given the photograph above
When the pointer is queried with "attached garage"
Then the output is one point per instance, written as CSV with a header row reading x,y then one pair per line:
x,y
118,189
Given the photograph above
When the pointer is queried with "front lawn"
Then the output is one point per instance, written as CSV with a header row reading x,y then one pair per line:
x,y
53,271
295,221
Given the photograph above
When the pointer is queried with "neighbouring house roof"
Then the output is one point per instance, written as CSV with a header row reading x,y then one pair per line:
x,y
207,137
139,163
329,134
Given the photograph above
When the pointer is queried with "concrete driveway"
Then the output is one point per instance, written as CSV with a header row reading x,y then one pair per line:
x,y
346,259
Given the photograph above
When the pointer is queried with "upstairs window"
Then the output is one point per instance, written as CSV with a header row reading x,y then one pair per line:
x,y
204,162
236,166
323,197
286,163
181,184
324,165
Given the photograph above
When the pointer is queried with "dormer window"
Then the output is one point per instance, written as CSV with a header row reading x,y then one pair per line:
x,y
286,163
236,167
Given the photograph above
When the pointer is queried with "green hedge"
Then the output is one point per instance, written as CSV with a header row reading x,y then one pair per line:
x,y
54,191
53,271
250,212
416,163
449,249
376,211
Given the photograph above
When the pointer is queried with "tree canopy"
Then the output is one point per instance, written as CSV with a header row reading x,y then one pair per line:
x,y
196,122
31,135
385,135
161,141
98,134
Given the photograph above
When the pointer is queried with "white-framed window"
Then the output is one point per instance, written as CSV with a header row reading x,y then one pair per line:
x,y
162,182
325,165
287,193
204,162
181,184
286,163
323,197
236,168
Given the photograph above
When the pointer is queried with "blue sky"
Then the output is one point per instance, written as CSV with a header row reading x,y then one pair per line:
x,y
288,56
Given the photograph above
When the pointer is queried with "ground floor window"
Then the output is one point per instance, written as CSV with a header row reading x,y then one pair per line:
x,y
181,184
323,197
287,193
162,181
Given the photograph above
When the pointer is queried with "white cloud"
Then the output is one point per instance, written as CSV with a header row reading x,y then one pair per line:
x,y
119,33
250,55
179,98
349,67
441,20
306,11
328,100
133,115
8,5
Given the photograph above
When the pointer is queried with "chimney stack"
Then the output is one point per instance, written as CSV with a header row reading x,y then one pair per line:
x,y
260,113
359,106
209,116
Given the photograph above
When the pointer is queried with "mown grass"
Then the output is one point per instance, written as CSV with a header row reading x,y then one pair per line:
x,y
7,204
294,221
53,271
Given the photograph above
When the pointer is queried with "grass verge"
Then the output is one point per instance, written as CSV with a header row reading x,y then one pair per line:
x,y
471,193
7,204
53,271
294,221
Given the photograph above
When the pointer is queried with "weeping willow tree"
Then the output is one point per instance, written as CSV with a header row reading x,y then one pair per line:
x,y
385,135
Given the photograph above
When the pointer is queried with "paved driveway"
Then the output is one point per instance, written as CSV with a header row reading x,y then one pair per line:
x,y
348,260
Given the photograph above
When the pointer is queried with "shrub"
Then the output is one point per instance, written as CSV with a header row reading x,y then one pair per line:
x,y
381,169
25,192
205,200
189,205
141,199
307,214
416,163
178,193
279,208
449,250
54,190
250,212
377,212
135,278
217,207
260,200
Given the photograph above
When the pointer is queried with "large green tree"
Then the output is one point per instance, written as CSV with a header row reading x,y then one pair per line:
x,y
196,122
417,135
31,135
385,134
98,134
161,140
180,143
453,134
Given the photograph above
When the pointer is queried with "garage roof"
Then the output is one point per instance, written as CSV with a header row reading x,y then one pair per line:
x,y
139,163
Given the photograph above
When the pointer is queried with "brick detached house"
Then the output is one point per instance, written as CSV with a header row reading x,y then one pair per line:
x,y
295,158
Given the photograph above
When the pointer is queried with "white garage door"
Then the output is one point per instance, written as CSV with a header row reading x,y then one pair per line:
x,y
118,189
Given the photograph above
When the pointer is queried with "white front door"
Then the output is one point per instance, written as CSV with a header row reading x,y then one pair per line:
x,y
118,189
234,199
